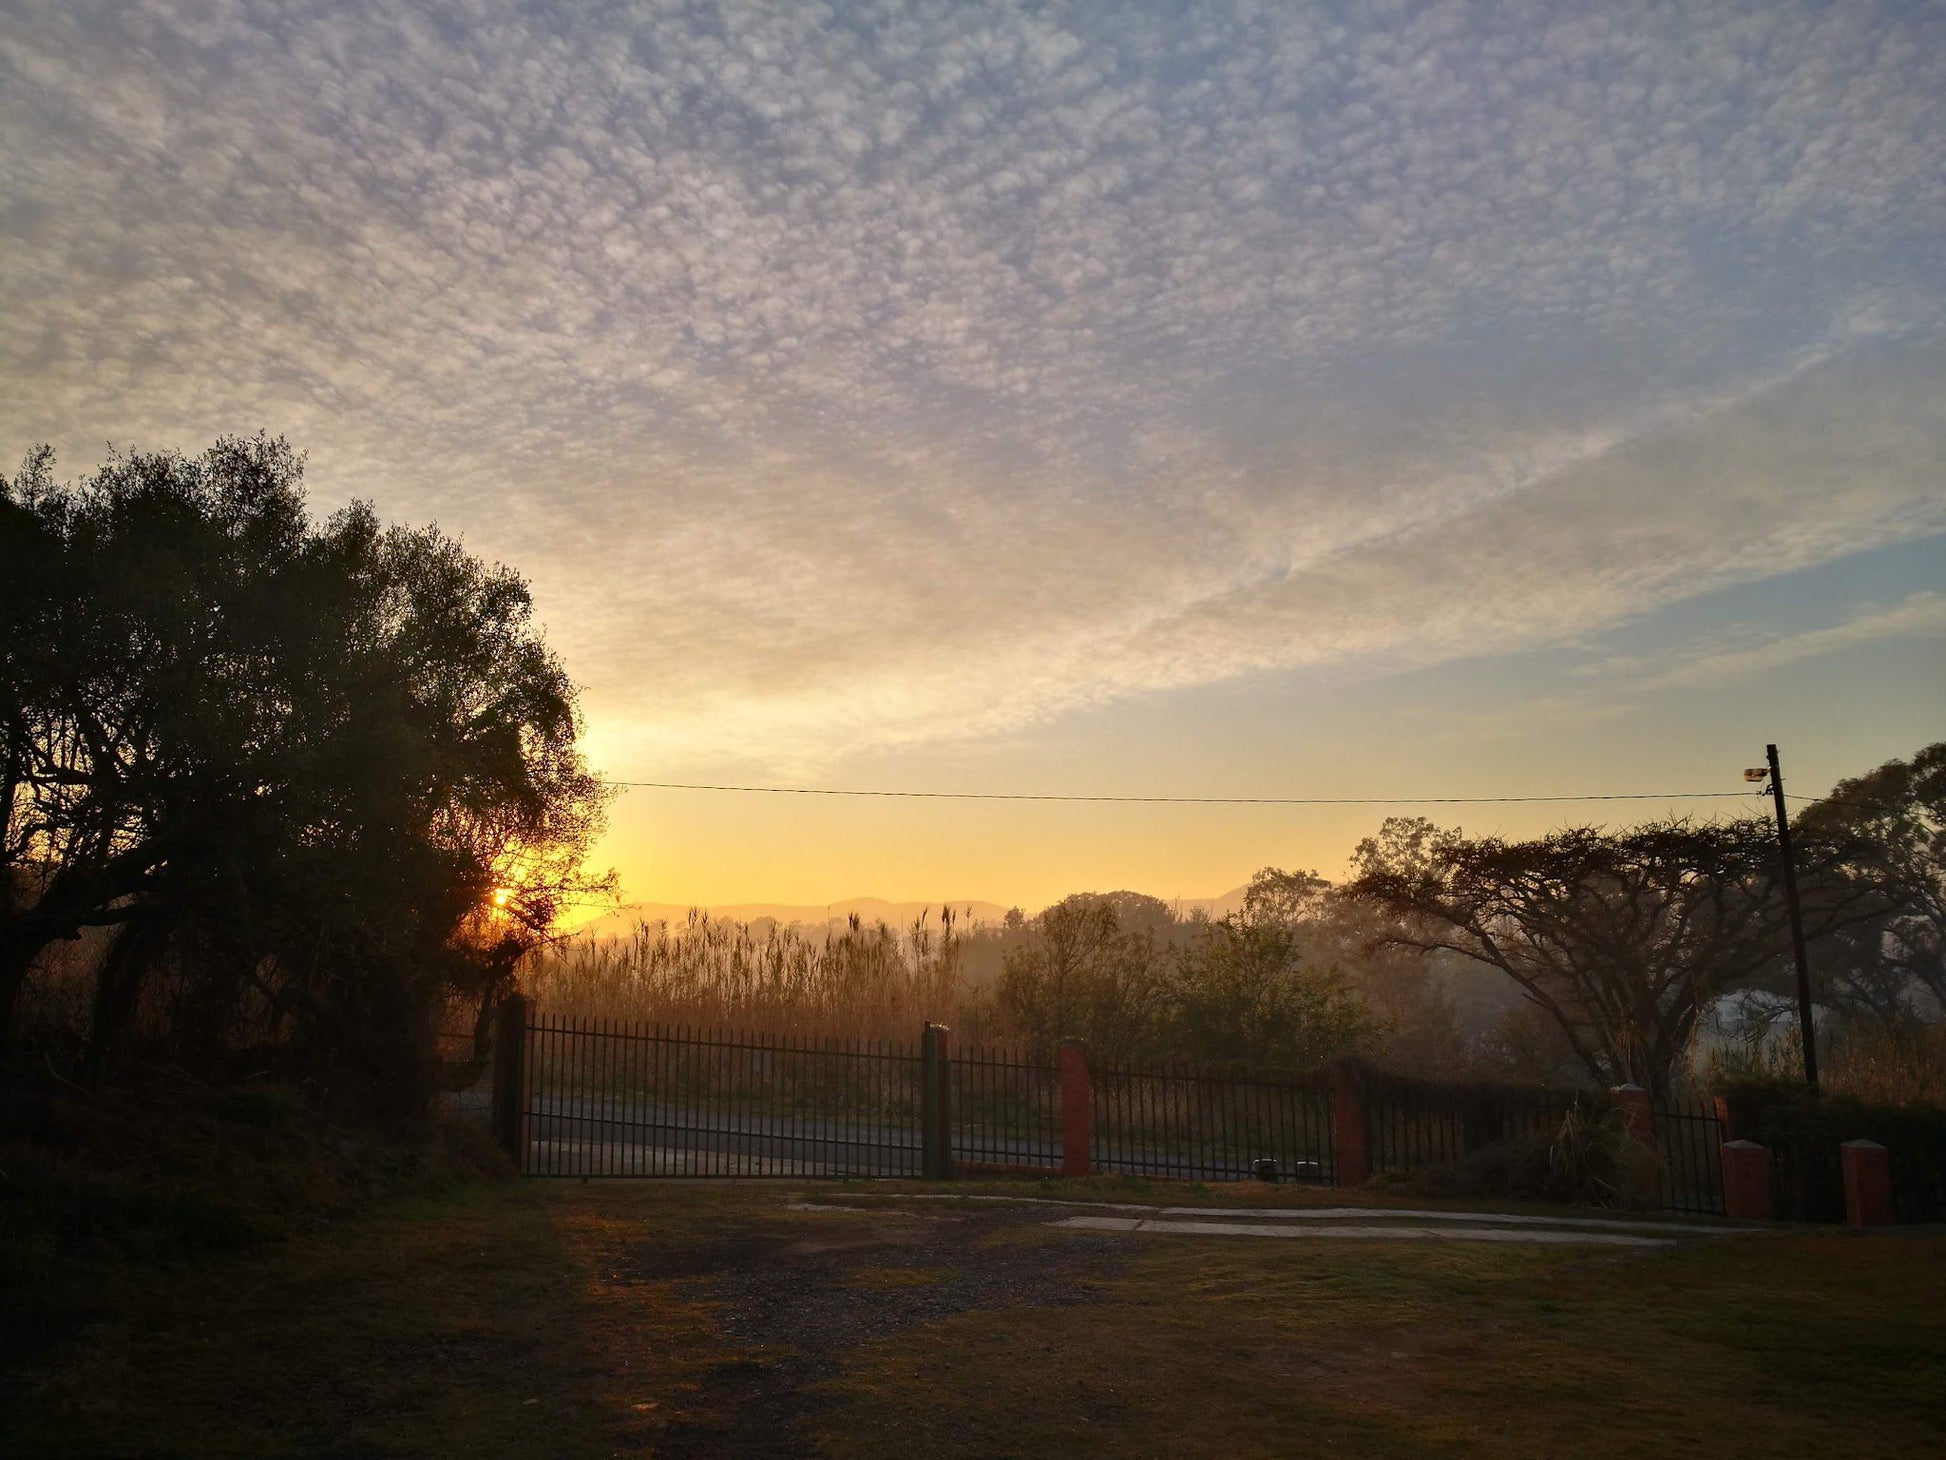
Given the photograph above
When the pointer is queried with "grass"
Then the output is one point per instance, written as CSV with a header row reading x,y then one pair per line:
x,y
584,1320
1830,1345
484,1322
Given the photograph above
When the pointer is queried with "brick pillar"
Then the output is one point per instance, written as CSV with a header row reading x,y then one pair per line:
x,y
1746,1181
1868,1184
1734,1115
1077,1110
1350,1135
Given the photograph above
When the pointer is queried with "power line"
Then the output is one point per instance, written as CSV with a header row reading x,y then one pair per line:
x,y
1181,800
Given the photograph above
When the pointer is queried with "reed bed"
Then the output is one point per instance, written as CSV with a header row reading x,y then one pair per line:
x,y
858,981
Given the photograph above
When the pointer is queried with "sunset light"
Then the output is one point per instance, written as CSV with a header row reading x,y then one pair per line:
x,y
1164,614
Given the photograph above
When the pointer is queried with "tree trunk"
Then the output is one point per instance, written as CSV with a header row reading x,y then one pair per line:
x,y
118,989
20,944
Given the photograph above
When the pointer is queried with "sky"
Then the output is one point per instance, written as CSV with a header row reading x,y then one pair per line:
x,y
1376,400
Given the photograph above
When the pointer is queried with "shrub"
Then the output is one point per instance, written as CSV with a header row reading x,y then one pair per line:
x,y
1588,1161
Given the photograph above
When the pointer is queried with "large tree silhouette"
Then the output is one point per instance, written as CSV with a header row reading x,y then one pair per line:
x,y
1893,820
314,778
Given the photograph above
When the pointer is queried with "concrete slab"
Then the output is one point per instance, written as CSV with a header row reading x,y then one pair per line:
x,y
1304,1214
1373,1232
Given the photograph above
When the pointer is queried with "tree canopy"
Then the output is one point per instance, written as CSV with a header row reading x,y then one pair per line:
x,y
311,779
1893,819
1121,971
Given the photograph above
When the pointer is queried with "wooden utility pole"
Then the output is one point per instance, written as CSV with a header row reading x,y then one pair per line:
x,y
1806,1029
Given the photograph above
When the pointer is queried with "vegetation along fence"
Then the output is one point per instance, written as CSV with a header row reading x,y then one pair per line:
x,y
1414,1123
586,1098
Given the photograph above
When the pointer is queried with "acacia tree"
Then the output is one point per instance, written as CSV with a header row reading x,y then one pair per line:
x,y
321,776
1621,938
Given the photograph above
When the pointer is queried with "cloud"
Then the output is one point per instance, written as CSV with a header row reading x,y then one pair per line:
x,y
860,377
1918,615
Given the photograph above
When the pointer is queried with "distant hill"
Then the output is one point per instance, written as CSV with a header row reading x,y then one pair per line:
x,y
621,923
1217,907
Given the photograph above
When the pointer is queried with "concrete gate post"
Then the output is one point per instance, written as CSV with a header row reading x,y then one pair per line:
x,y
512,1080
1868,1184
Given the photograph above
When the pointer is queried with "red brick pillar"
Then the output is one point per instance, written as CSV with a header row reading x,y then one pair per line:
x,y
1746,1181
1734,1116
1077,1110
1350,1136
1868,1184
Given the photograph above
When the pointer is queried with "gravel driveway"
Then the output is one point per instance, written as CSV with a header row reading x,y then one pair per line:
x,y
797,1295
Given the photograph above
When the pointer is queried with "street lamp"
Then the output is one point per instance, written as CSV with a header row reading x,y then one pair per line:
x,y
1806,1030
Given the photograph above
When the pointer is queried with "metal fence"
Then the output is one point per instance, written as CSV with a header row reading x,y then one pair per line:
x,y
1689,1140
604,1098
1211,1125
585,1098
1918,1167
1415,1123
1006,1112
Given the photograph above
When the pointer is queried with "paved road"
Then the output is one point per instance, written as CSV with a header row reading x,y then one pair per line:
x,y
574,1135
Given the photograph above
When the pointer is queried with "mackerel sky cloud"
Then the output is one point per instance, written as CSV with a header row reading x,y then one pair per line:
x,y
861,378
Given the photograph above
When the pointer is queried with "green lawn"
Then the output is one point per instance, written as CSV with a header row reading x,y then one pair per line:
x,y
728,1320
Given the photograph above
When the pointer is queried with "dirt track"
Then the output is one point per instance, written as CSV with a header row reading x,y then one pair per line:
x,y
797,1301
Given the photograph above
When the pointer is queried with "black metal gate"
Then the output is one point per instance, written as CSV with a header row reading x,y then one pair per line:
x,y
605,1098
1689,1139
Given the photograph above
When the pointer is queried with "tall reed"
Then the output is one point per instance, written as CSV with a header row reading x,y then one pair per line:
x,y
860,981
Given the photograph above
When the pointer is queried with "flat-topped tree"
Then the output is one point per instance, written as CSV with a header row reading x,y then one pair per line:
x,y
1622,938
